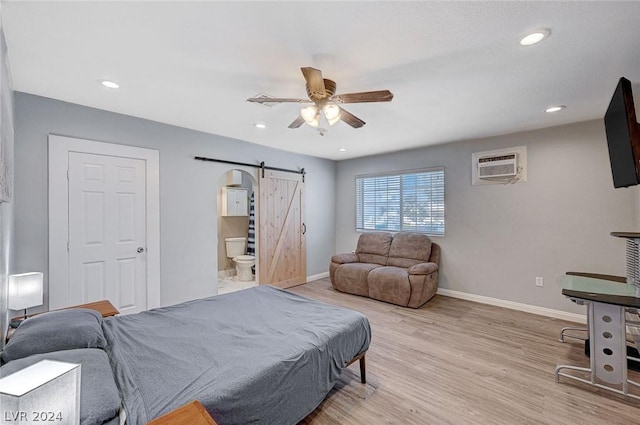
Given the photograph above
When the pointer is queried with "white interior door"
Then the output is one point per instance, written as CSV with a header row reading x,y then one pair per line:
x,y
107,231
64,222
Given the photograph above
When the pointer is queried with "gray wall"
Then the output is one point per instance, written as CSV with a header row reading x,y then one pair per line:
x,y
188,189
500,237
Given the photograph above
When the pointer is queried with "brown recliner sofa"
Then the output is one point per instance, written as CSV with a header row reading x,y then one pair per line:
x,y
400,268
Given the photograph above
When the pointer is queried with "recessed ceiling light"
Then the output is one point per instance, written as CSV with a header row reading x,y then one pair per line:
x,y
342,150
110,84
534,37
259,125
555,108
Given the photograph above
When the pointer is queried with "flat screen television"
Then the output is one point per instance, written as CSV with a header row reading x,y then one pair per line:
x,y
623,136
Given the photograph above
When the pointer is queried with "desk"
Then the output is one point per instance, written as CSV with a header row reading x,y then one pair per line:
x,y
606,303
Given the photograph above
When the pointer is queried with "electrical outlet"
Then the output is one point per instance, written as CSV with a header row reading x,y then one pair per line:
x,y
539,281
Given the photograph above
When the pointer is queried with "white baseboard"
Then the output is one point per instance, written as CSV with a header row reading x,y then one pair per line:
x,y
317,276
542,311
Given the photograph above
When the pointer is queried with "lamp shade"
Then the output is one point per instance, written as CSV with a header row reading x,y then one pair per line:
x,y
315,122
331,111
45,392
333,120
309,113
25,290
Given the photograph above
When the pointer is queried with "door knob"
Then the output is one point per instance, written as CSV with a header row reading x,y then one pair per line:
x,y
140,250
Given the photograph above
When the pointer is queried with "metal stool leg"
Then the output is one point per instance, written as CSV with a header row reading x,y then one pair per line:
x,y
563,336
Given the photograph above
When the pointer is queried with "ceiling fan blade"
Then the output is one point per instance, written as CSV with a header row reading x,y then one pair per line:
x,y
297,123
362,97
315,83
351,119
277,100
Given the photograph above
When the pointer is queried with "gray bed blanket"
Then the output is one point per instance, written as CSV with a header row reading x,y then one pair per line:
x,y
258,356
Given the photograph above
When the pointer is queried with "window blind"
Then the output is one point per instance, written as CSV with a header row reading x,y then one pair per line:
x,y
411,201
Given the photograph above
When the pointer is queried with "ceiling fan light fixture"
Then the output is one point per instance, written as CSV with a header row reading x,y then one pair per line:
x,y
315,122
333,120
309,114
321,93
331,112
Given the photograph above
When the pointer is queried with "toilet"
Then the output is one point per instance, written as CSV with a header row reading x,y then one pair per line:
x,y
236,248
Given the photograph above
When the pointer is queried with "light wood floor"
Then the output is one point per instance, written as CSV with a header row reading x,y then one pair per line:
x,y
459,362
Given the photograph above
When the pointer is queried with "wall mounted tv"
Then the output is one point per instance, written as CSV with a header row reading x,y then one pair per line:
x,y
623,136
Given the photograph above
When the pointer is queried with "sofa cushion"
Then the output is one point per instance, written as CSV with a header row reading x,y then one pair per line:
x,y
352,278
344,258
390,284
374,247
423,268
408,249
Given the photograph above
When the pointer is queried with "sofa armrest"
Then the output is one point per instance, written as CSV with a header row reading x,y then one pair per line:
x,y
345,258
423,268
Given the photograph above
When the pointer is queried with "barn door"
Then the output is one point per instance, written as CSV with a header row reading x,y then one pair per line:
x,y
283,251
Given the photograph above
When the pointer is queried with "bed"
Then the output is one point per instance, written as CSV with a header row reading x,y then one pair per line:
x,y
258,356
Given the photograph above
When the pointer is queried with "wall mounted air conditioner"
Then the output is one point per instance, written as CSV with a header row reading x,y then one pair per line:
x,y
498,166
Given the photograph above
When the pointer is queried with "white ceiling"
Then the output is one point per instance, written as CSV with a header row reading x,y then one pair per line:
x,y
456,68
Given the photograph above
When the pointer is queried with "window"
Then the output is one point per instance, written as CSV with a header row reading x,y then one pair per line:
x,y
410,201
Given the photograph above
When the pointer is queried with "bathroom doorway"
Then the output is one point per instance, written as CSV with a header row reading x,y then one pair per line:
x,y
237,231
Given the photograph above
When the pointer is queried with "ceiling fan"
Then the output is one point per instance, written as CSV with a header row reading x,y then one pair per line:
x,y
321,92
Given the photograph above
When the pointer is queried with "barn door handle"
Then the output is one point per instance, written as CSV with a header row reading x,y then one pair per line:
x,y
140,250
304,228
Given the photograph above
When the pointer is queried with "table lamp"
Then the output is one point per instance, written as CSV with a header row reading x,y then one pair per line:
x,y
45,392
25,290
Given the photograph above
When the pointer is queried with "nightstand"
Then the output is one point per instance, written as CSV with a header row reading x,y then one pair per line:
x,y
103,307
190,414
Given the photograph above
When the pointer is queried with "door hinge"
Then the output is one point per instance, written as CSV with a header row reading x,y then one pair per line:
x,y
68,246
